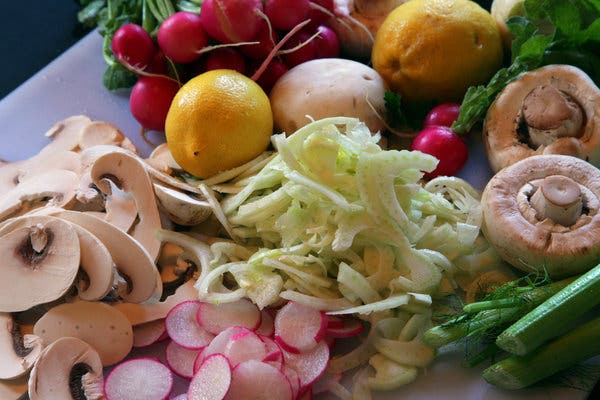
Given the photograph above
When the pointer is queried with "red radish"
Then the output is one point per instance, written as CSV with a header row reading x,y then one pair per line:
x,y
273,354
334,322
327,43
309,365
219,342
293,378
139,378
275,69
243,346
298,327
266,38
148,333
150,99
225,58
217,317
199,359
158,64
350,327
180,359
266,327
297,55
231,21
181,37
316,14
182,396
444,144
284,15
444,114
256,380
308,395
133,46
183,328
212,381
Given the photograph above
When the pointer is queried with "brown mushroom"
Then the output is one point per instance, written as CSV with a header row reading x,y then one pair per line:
x,y
542,213
68,368
180,207
14,389
19,352
551,110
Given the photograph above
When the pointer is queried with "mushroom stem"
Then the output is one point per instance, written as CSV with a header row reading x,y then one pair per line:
x,y
551,114
559,199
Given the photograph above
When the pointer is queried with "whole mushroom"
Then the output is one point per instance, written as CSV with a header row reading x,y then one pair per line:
x,y
542,213
551,110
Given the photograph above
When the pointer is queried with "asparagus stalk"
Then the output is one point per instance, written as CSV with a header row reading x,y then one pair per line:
x,y
517,372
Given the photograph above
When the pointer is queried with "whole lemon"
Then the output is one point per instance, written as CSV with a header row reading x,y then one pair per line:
x,y
433,50
218,120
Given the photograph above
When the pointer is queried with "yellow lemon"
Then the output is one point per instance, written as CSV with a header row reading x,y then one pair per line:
x,y
218,120
433,50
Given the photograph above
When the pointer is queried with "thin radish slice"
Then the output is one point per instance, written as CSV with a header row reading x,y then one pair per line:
x,y
293,378
219,342
266,327
334,322
199,359
181,360
273,351
243,346
149,333
298,328
139,378
256,380
182,396
217,317
212,381
350,327
183,328
309,365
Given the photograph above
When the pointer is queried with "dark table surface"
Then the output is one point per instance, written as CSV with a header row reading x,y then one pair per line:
x,y
35,34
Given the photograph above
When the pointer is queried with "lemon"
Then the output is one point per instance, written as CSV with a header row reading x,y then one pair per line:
x,y
433,50
218,120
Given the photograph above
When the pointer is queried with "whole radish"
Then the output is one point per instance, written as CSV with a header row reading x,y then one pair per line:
x,y
300,48
266,38
275,69
150,100
181,37
444,144
225,58
444,114
320,11
285,14
231,21
327,43
133,46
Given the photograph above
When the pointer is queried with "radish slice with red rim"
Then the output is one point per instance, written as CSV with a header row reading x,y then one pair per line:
x,y
219,342
309,365
181,360
266,327
298,328
350,327
139,379
212,381
149,333
243,346
273,351
256,380
217,317
183,328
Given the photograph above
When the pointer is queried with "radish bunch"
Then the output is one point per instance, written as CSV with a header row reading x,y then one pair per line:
x,y
235,351
248,36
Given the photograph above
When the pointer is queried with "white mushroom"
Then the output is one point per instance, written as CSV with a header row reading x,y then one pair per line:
x,y
180,207
68,368
18,352
101,326
65,134
14,389
40,264
162,159
121,209
100,132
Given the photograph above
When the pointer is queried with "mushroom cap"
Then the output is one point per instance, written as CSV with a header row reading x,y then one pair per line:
x,y
180,207
40,264
504,146
103,327
61,362
18,352
528,243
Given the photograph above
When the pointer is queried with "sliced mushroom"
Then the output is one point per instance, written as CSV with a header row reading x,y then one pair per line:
x,y
180,207
121,209
69,368
129,174
100,133
542,213
551,110
19,352
40,264
65,134
14,389
162,159
101,326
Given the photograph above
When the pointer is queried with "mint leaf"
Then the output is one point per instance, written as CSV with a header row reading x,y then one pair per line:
x,y
118,77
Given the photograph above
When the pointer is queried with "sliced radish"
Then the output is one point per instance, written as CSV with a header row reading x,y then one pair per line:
x,y
350,327
180,359
266,327
256,380
293,378
149,333
273,351
199,359
183,328
245,346
217,317
219,342
298,328
182,396
139,378
212,380
334,322
309,365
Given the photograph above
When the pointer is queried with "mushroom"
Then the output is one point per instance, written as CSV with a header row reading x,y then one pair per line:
x,y
14,389
65,134
19,352
101,326
162,159
121,210
551,110
68,368
180,207
542,213
99,132
40,264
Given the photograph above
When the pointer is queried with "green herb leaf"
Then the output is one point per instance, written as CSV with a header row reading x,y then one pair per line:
x,y
118,77
393,107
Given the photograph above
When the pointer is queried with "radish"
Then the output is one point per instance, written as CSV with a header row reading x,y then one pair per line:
x,y
150,99
212,380
219,343
183,328
327,43
225,58
181,37
349,327
266,38
293,378
275,69
444,114
266,327
139,378
133,46
444,144
149,333
320,11
256,380
217,317
231,21
309,365
298,327
284,15
181,360
182,396
294,54
273,353
243,346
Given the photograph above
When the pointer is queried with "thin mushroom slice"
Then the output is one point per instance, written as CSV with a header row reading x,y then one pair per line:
x,y
40,264
68,368
162,159
19,352
180,207
121,209
100,133
65,134
14,389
